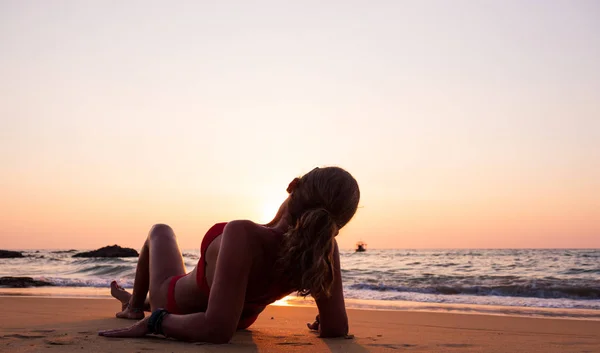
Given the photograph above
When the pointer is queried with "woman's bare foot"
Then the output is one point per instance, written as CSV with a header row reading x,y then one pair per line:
x,y
120,294
130,313
124,296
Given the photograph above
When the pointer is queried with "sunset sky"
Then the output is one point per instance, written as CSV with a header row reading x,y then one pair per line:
x,y
466,123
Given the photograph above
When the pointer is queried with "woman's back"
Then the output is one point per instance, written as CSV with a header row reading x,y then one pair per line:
x,y
264,285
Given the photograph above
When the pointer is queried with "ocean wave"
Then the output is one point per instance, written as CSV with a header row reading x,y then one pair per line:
x,y
103,261
105,270
88,282
532,290
449,264
578,271
190,255
50,259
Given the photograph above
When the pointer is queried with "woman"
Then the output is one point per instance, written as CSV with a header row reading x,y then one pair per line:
x,y
245,266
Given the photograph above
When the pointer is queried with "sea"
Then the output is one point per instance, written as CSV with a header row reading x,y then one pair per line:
x,y
563,283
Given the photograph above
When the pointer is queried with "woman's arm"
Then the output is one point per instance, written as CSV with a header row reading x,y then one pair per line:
x,y
333,320
227,292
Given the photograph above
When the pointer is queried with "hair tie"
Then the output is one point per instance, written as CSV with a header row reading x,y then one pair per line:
x,y
293,185
337,227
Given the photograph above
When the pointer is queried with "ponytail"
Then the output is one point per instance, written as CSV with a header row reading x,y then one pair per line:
x,y
307,253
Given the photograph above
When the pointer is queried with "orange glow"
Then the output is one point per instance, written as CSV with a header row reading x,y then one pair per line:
x,y
470,134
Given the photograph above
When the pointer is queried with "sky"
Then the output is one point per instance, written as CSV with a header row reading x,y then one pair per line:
x,y
467,124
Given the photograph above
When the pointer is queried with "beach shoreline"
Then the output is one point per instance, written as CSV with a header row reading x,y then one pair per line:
x,y
355,304
34,324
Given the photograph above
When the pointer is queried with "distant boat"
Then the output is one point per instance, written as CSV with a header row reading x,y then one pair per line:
x,y
361,247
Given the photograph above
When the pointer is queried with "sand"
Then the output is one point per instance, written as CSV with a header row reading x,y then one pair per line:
x,y
31,324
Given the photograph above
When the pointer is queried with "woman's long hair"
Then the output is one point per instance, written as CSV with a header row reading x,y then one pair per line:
x,y
320,204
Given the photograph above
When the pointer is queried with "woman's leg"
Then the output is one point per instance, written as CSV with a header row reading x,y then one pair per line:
x,y
165,261
160,259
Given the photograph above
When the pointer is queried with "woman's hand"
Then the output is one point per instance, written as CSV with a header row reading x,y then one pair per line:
x,y
139,329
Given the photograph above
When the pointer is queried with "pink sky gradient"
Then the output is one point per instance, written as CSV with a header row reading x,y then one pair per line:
x,y
467,124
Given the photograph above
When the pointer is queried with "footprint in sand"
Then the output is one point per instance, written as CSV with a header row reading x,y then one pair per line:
x,y
392,346
60,341
18,335
295,344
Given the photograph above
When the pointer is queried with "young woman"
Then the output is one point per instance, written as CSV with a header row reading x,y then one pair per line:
x,y
246,266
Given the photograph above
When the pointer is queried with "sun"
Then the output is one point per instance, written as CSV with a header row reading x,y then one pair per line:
x,y
269,209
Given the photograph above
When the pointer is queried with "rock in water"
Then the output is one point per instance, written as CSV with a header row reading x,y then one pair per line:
x,y
22,282
110,251
7,254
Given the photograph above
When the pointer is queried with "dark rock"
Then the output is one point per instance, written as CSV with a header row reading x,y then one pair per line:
x,y
7,254
109,251
22,282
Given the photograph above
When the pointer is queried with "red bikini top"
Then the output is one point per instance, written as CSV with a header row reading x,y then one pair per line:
x,y
274,292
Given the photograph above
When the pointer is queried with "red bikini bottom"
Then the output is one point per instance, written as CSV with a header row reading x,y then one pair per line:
x,y
171,304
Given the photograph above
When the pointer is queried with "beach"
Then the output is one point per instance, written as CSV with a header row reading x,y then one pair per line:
x,y
36,324
433,163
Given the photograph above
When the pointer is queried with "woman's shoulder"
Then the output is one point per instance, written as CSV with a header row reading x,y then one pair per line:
x,y
256,233
247,227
